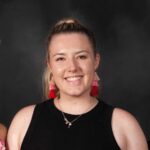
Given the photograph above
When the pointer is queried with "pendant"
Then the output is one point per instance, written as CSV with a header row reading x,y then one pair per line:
x,y
68,122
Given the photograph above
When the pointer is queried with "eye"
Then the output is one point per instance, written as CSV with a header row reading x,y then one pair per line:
x,y
82,56
60,59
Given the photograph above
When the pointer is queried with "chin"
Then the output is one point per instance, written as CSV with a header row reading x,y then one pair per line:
x,y
76,93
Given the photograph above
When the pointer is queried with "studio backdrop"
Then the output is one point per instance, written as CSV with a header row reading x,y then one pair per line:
x,y
122,30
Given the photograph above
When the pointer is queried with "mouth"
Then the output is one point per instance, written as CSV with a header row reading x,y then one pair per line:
x,y
73,78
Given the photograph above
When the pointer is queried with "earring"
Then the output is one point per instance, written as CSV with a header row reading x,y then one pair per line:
x,y
52,89
95,85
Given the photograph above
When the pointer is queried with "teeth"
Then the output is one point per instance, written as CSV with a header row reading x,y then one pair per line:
x,y
73,78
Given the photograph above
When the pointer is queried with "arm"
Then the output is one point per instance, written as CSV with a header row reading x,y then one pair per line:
x,y
18,128
127,131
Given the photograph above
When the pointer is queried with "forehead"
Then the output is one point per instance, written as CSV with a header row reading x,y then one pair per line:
x,y
65,41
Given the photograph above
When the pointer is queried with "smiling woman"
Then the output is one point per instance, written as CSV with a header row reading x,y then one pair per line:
x,y
70,54
69,28
73,117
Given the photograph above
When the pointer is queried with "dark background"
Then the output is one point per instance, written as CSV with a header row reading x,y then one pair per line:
x,y
122,29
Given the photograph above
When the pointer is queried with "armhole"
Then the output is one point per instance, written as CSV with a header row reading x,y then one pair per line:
x,y
109,113
30,128
111,123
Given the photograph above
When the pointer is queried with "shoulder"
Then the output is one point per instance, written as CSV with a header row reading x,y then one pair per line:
x,y
19,126
127,130
3,131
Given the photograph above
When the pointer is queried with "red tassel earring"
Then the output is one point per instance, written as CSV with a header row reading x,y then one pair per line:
x,y
52,89
95,85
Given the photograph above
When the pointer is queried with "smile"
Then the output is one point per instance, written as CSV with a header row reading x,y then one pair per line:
x,y
74,78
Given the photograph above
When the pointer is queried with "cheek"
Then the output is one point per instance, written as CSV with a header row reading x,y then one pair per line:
x,y
88,67
57,70
89,70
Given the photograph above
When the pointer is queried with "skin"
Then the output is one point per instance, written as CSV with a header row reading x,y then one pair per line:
x,y
3,132
73,64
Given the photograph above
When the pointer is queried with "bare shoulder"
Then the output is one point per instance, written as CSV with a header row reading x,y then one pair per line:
x,y
127,131
19,126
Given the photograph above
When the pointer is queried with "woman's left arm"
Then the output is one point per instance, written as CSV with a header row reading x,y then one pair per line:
x,y
127,131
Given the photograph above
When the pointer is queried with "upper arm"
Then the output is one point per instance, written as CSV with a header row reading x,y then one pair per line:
x,y
127,131
18,127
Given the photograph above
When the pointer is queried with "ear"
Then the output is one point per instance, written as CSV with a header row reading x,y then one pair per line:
x,y
97,60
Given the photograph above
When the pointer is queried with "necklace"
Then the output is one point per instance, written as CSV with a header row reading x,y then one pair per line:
x,y
69,123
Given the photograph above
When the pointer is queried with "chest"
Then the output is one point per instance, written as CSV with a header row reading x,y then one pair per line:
x,y
82,135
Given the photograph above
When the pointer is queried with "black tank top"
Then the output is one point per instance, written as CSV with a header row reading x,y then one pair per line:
x,y
91,131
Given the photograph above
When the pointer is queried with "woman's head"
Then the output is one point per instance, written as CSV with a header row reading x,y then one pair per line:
x,y
71,57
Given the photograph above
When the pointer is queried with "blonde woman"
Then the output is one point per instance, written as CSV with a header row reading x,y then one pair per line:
x,y
73,118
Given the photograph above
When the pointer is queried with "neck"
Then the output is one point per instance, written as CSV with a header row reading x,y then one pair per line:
x,y
75,105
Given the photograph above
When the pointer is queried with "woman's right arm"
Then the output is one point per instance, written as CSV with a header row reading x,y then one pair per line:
x,y
18,127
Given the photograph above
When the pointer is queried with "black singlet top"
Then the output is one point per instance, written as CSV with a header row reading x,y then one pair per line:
x,y
91,131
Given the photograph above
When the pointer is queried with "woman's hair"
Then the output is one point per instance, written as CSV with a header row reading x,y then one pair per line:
x,y
67,25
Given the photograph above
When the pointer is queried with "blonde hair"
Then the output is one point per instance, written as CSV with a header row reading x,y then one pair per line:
x,y
46,81
67,25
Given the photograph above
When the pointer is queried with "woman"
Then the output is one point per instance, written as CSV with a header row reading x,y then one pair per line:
x,y
73,118
3,132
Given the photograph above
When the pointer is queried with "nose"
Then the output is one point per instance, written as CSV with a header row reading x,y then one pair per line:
x,y
72,65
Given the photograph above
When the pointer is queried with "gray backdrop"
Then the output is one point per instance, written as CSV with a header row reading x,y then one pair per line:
x,y
122,31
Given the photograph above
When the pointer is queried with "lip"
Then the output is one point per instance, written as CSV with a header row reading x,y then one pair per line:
x,y
73,78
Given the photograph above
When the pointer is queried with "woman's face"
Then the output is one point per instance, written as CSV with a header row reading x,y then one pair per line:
x,y
72,63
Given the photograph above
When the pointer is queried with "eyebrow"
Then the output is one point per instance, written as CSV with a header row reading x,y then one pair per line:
x,y
78,52
82,51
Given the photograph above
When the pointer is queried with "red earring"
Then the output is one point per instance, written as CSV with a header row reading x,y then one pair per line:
x,y
95,85
52,89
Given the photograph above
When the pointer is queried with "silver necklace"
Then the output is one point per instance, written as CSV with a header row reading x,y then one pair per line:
x,y
69,123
